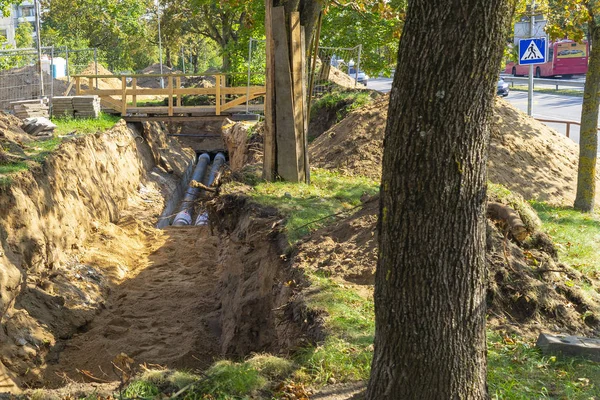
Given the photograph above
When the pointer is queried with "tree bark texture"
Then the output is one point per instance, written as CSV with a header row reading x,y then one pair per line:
x,y
588,139
430,279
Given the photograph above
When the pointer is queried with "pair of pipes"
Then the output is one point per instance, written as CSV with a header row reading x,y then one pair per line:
x,y
184,217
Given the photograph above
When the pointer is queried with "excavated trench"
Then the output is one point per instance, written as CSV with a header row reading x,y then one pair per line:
x,y
94,271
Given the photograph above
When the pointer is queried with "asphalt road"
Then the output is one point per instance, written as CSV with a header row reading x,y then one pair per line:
x,y
545,106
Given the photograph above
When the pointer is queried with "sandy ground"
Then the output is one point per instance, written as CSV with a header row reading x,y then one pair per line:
x,y
165,312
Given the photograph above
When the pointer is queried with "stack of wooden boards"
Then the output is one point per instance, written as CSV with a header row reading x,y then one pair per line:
x,y
29,108
76,106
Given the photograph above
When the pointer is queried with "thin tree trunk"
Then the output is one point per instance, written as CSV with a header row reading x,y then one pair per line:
x,y
169,57
588,139
430,279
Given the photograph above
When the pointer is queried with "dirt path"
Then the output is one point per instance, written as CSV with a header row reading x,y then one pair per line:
x,y
166,313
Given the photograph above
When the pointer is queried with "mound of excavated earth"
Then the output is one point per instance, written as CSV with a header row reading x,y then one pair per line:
x,y
525,155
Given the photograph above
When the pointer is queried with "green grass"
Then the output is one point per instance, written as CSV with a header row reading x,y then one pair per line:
x,y
37,151
561,92
309,207
140,388
352,98
518,370
350,322
576,234
83,126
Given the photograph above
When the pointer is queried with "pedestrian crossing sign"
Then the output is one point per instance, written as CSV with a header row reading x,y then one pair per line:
x,y
532,51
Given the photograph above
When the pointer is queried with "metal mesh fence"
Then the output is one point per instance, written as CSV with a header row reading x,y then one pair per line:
x,y
337,67
20,78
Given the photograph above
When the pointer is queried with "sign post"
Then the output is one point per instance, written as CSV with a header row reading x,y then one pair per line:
x,y
532,51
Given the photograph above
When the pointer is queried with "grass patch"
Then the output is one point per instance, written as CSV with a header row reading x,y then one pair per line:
x,y
11,168
81,126
143,389
309,207
518,370
226,379
347,353
345,100
576,235
560,92
37,151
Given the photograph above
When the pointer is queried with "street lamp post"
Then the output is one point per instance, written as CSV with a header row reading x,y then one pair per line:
x,y
38,37
160,56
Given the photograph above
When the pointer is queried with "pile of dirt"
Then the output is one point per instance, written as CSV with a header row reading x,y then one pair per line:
x,y
525,155
12,139
62,84
154,82
528,289
341,78
355,144
200,82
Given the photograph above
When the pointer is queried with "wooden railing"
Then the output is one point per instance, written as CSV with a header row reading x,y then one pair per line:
x,y
118,99
567,123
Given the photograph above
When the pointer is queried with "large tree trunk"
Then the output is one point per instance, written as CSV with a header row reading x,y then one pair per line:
x,y
588,138
430,279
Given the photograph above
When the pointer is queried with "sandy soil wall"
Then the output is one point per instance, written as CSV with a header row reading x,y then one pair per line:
x,y
46,216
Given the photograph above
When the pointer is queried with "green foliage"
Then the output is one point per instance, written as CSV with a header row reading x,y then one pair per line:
x,y
24,35
374,24
119,29
576,234
518,370
309,207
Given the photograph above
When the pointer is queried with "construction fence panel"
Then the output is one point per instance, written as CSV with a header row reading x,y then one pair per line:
x,y
20,77
335,67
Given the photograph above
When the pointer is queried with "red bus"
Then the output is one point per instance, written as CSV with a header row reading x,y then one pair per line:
x,y
565,58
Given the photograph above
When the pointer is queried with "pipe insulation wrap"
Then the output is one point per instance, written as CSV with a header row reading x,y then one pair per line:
x,y
184,216
219,160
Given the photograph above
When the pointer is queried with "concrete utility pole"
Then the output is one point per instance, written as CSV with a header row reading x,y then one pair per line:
x,y
38,37
531,33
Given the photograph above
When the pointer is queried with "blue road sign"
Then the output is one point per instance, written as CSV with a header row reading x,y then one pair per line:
x,y
532,51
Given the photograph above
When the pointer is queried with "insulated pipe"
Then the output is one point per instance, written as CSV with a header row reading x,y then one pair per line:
x,y
219,160
214,170
184,216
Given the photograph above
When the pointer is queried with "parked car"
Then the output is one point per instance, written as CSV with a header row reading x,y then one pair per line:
x,y
502,88
362,77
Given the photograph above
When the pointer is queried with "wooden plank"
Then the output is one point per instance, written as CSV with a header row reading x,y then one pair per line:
x,y
269,156
178,86
77,85
239,100
285,136
170,99
66,93
297,93
305,110
123,96
111,103
134,86
218,94
165,92
141,118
